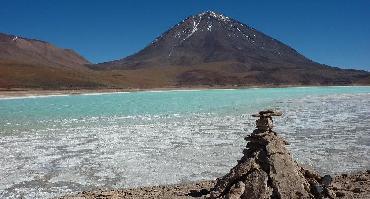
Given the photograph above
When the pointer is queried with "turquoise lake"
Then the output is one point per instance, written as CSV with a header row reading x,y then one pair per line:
x,y
50,146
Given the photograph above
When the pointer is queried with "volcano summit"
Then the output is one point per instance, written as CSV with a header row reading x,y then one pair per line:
x,y
212,49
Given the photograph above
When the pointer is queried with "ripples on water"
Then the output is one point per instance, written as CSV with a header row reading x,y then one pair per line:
x,y
42,157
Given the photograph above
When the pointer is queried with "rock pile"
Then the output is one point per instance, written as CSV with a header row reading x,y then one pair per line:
x,y
267,169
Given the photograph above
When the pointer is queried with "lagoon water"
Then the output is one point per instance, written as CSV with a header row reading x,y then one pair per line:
x,y
50,146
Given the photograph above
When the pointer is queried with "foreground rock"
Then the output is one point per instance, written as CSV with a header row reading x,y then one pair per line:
x,y
180,191
266,170
355,185
343,186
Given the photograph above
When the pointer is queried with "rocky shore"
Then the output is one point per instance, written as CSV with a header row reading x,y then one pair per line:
x,y
266,170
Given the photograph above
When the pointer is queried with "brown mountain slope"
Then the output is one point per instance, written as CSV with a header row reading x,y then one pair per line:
x,y
23,75
212,49
31,51
20,75
30,63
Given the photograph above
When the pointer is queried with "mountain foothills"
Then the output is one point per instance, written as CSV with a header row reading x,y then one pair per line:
x,y
207,49
30,63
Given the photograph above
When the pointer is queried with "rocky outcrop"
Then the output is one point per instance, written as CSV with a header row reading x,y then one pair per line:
x,y
267,169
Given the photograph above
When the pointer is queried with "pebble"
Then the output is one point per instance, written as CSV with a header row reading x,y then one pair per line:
x,y
357,190
339,194
361,178
326,180
318,189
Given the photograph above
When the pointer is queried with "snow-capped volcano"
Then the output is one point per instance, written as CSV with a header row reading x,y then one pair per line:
x,y
209,37
210,48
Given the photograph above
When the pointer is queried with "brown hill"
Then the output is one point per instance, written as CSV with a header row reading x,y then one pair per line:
x,y
31,51
34,63
30,63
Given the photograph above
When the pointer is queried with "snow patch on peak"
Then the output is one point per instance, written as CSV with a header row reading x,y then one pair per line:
x,y
195,28
215,15
156,40
15,38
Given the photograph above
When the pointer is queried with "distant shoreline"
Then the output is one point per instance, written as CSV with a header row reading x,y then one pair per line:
x,y
30,93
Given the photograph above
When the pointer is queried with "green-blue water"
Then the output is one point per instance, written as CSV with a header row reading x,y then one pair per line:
x,y
54,145
162,102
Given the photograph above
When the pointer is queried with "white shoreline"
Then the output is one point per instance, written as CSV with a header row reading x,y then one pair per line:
x,y
66,93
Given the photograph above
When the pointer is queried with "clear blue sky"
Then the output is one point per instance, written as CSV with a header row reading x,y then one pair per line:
x,y
333,32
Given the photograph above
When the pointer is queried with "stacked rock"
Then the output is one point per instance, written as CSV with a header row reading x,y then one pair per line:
x,y
266,170
265,123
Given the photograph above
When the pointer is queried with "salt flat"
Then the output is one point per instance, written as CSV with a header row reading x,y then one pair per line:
x,y
55,145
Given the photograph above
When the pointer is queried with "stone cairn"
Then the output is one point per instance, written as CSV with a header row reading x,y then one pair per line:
x,y
265,123
267,169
